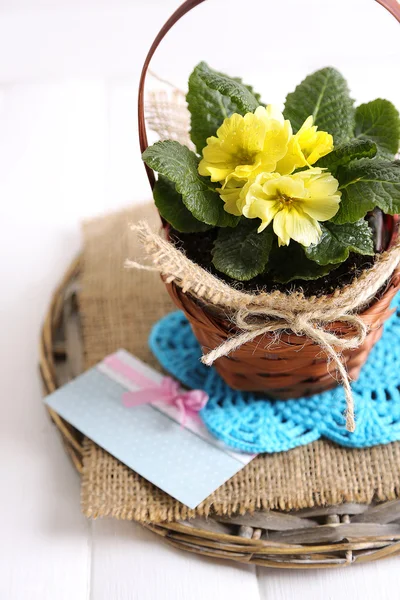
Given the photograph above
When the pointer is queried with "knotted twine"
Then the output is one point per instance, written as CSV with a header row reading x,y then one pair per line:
x,y
256,314
300,324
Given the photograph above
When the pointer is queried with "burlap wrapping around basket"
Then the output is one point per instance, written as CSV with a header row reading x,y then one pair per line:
x,y
118,308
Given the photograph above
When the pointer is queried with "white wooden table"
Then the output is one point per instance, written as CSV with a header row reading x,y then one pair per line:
x,y
68,150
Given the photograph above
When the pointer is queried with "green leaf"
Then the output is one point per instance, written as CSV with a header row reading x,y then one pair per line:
x,y
179,165
325,95
366,184
347,152
337,241
289,263
211,98
256,95
234,89
379,121
171,208
242,253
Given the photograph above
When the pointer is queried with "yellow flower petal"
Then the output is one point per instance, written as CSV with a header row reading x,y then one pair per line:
x,y
280,230
305,148
276,143
246,171
314,144
260,209
308,123
321,209
300,226
320,146
214,172
293,159
287,186
215,152
319,183
230,206
230,194
268,113
254,189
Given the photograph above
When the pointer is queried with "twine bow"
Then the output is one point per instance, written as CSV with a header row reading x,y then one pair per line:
x,y
261,321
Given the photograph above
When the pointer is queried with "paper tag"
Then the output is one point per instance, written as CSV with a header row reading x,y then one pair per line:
x,y
186,462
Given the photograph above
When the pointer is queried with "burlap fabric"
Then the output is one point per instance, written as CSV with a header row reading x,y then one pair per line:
x,y
118,308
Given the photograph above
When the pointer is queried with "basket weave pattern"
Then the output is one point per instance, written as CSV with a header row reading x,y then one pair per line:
x,y
290,366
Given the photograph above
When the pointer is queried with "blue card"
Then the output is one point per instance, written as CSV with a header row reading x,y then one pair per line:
x,y
161,440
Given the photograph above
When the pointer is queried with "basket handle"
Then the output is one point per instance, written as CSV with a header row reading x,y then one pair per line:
x,y
180,12
392,6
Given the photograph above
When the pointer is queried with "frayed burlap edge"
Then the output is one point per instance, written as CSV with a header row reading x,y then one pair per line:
x,y
320,474
174,266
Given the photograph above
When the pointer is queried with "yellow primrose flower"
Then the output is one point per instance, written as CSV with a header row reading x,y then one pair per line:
x,y
305,148
295,203
246,146
231,192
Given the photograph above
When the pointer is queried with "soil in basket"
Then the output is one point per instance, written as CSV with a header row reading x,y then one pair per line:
x,y
198,248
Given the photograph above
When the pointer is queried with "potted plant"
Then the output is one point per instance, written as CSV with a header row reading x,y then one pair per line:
x,y
295,212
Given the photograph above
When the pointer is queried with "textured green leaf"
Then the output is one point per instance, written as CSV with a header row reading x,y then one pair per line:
x,y
171,208
379,121
179,165
325,95
289,263
366,184
234,89
347,152
337,241
211,98
256,95
242,253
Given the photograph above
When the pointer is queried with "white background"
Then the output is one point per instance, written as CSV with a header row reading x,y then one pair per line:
x,y
68,150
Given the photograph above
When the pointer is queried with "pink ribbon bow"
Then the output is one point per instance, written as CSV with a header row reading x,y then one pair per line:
x,y
189,403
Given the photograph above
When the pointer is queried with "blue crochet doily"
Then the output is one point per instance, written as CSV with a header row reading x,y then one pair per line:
x,y
255,425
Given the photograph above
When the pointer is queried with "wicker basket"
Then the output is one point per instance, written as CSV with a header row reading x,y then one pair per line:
x,y
320,537
291,367
294,366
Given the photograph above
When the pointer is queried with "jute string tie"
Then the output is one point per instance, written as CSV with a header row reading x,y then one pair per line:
x,y
254,324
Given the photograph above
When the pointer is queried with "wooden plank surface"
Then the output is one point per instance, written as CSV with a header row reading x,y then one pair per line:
x,y
68,78
373,580
131,563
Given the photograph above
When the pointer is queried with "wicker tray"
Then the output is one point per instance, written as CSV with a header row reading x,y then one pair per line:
x,y
326,537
